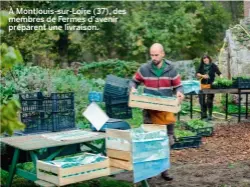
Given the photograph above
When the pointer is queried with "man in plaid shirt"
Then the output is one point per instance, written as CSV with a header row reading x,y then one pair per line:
x,y
159,78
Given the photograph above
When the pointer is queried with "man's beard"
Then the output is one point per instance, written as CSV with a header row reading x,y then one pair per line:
x,y
156,62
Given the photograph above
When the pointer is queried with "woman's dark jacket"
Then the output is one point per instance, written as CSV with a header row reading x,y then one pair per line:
x,y
213,69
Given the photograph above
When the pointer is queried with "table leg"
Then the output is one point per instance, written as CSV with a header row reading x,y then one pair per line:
x,y
12,170
34,159
239,105
103,148
226,106
99,150
246,105
145,183
52,156
191,106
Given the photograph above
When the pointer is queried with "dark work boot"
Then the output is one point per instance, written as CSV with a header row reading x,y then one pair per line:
x,y
165,176
203,113
210,114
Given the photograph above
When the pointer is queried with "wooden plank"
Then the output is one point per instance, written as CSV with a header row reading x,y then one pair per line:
x,y
153,127
121,164
115,133
73,179
114,170
48,178
156,100
84,168
122,155
114,144
215,91
37,141
152,106
47,167
44,183
84,177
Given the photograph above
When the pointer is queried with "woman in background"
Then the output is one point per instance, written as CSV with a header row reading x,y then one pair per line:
x,y
206,73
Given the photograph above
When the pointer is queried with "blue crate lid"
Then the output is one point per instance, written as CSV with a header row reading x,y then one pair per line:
x,y
113,124
95,96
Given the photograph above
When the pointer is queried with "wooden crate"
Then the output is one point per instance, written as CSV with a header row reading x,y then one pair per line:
x,y
154,103
61,176
119,146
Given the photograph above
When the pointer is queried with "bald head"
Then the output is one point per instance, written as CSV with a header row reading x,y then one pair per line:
x,y
157,54
157,46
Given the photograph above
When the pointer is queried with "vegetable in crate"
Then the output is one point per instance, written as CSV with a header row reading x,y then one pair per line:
x,y
202,128
222,83
183,133
196,124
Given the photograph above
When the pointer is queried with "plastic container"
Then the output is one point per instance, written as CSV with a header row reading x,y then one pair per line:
x,y
187,142
56,102
46,122
113,124
113,100
117,81
115,90
119,111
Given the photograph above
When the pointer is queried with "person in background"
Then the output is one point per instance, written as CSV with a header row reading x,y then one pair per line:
x,y
206,73
159,78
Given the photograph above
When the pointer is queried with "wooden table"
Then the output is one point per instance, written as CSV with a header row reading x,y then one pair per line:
x,y
224,91
32,143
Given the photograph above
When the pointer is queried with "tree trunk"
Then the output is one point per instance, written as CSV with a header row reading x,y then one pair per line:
x,y
233,7
63,44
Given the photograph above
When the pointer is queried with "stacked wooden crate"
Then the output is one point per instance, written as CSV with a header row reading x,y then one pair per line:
x,y
61,176
151,102
121,148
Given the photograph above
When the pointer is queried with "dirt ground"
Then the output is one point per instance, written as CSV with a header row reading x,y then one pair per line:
x,y
223,160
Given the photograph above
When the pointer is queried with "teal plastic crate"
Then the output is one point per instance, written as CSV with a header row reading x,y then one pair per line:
x,y
187,142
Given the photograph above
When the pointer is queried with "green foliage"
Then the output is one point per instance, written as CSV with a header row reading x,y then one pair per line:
x,y
185,107
116,67
9,108
214,20
196,63
34,78
222,82
196,124
186,30
137,119
9,118
9,55
4,18
183,133
234,109
230,99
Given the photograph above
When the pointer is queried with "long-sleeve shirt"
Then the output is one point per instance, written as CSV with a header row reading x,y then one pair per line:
x,y
163,85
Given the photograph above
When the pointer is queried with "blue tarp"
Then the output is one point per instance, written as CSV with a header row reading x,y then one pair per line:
x,y
150,154
145,170
191,86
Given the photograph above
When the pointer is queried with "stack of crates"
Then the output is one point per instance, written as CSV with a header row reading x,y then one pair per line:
x,y
116,97
242,83
53,113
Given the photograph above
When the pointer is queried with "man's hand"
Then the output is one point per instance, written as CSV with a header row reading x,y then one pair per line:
x,y
180,96
133,90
